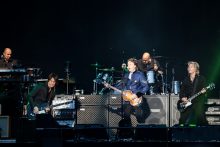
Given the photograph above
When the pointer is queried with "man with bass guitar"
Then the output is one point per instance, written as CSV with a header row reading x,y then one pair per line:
x,y
192,84
132,87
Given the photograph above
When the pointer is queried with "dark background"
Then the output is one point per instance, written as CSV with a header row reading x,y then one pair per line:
x,y
46,34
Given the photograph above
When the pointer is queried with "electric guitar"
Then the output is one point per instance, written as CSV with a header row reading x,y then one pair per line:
x,y
182,106
42,109
127,95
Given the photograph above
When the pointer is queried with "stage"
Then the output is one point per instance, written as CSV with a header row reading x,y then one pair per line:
x,y
147,135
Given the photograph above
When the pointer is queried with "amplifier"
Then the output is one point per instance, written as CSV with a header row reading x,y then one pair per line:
x,y
64,113
213,119
212,101
115,99
63,96
214,123
213,110
92,99
63,104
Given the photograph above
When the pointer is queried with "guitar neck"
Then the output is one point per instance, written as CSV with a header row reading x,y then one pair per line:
x,y
194,96
116,89
197,94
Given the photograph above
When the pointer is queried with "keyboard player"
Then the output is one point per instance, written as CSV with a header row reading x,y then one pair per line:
x,y
8,75
6,61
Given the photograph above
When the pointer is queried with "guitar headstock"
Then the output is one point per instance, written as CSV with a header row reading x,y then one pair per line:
x,y
211,86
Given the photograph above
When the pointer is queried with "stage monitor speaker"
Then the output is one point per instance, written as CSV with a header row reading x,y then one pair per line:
x,y
151,133
195,134
91,132
26,130
92,115
46,121
158,105
4,126
174,113
92,99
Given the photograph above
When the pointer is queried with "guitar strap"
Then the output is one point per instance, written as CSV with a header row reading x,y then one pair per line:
x,y
195,84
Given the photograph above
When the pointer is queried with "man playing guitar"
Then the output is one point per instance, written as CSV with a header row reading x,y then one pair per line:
x,y
132,87
41,97
191,85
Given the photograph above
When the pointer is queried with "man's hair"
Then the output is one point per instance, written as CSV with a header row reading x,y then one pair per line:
x,y
53,75
195,64
134,60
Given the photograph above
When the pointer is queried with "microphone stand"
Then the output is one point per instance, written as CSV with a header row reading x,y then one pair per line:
x,y
95,89
166,90
163,85
67,76
173,72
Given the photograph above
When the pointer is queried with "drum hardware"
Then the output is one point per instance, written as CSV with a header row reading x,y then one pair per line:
x,y
176,87
166,81
67,70
103,78
96,65
108,69
79,92
175,84
151,77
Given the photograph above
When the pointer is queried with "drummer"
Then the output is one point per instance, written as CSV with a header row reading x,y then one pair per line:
x,y
151,68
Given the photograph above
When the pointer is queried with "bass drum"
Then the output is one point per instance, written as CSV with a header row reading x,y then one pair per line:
x,y
151,77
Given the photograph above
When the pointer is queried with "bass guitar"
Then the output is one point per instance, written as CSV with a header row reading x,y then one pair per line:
x,y
127,95
182,106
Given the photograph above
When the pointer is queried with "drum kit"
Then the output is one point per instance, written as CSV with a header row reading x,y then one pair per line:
x,y
103,75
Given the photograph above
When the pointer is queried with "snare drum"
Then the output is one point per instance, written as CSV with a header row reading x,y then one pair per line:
x,y
151,77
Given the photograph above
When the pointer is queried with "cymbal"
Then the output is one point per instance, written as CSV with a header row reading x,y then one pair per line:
x,y
44,80
107,69
71,81
156,57
95,65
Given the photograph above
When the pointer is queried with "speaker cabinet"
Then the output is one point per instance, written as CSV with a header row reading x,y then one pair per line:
x,y
115,99
92,115
158,105
4,126
174,113
114,115
92,99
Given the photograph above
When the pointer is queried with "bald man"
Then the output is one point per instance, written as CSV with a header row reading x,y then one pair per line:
x,y
151,69
6,61
146,63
